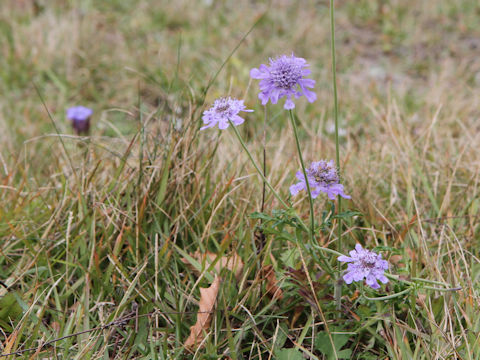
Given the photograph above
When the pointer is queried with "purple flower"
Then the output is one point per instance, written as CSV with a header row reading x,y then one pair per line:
x,y
284,77
322,177
223,110
80,118
365,264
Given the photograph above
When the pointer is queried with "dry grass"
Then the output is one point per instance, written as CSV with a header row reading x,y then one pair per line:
x,y
95,228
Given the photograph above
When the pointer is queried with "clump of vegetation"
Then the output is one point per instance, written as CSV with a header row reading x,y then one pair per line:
x,y
132,229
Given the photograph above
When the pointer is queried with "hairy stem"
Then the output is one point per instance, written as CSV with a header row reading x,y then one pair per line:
x,y
310,199
338,284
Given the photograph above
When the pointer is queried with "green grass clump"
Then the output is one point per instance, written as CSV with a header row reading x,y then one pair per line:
x,y
99,233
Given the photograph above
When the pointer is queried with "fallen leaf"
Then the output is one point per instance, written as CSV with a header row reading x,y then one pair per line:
x,y
272,288
208,297
233,263
396,260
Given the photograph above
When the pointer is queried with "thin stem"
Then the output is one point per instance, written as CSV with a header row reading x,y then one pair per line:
x,y
327,250
338,284
312,215
256,166
429,281
264,187
413,283
264,156
239,137
310,199
392,296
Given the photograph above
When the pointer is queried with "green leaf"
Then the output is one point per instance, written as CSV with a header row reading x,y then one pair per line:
x,y
282,336
290,257
262,216
346,214
142,334
289,354
10,310
323,344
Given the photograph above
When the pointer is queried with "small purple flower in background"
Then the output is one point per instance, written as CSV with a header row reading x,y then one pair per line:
x,y
80,118
322,177
284,77
223,110
365,264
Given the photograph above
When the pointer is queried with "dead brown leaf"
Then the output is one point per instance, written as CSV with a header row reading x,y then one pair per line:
x,y
397,260
272,288
233,263
208,297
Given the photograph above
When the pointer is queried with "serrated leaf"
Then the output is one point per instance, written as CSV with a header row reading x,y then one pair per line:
x,y
261,216
290,257
289,354
10,310
346,214
323,343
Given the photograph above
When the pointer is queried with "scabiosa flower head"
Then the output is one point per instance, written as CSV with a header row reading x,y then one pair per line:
x,y
223,110
365,264
80,118
322,177
285,77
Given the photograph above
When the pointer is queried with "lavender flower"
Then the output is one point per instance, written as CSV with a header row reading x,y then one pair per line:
x,y
322,177
223,110
80,118
284,77
365,264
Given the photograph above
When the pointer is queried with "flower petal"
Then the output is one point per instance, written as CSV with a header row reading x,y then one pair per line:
x,y
256,74
289,104
348,277
296,188
310,95
237,120
223,124
372,282
383,279
344,258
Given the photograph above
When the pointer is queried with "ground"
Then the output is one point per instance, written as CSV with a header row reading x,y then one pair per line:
x,y
108,239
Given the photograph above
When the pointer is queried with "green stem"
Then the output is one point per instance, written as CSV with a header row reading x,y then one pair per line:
x,y
338,284
327,250
429,281
256,166
388,296
412,283
310,199
312,215
239,137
